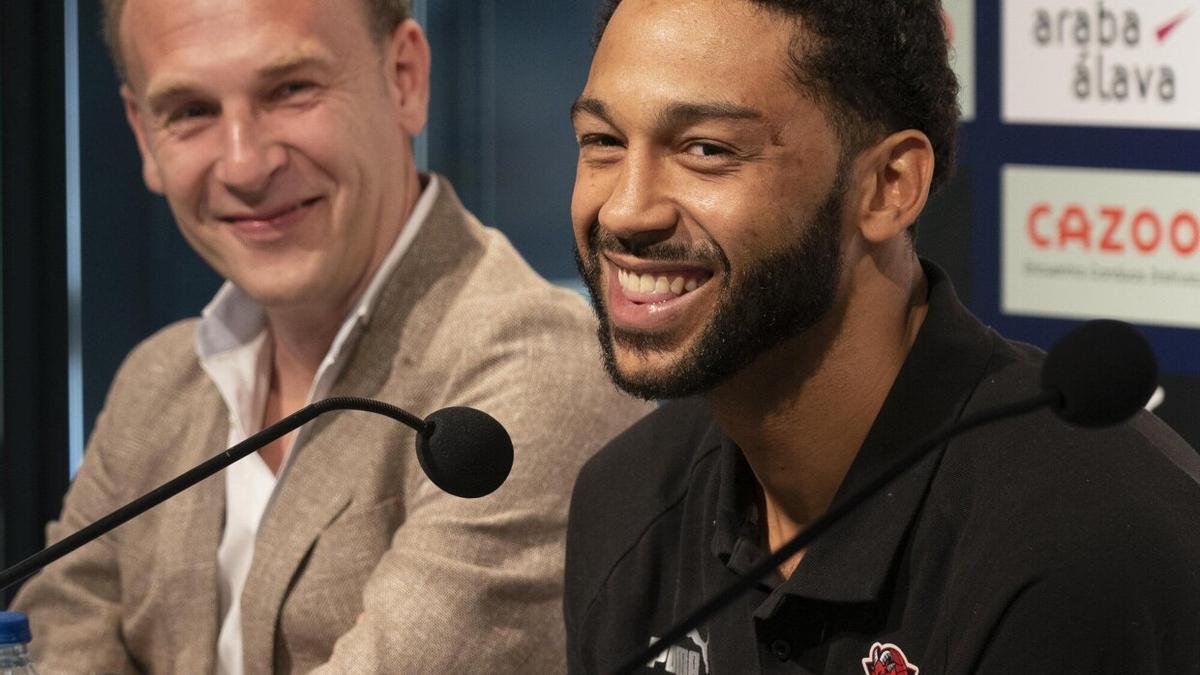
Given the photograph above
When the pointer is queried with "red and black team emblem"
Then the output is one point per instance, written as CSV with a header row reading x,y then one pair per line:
x,y
888,660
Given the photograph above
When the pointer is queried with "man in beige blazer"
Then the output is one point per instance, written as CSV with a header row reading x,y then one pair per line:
x,y
280,133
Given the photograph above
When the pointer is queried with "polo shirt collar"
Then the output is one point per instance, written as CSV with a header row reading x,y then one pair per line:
x,y
851,562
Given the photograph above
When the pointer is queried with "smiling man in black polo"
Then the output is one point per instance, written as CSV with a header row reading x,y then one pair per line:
x,y
748,178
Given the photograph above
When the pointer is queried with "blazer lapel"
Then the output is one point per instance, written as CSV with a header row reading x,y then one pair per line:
x,y
314,490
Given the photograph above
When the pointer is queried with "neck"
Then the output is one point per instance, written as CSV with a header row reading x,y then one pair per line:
x,y
801,411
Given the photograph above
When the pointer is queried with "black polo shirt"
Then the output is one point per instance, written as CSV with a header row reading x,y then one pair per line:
x,y
1027,546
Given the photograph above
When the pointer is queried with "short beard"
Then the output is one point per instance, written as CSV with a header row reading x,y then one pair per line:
x,y
777,298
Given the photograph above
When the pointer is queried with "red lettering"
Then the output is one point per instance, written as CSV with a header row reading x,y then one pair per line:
x,y
1146,217
1146,232
1074,225
1115,215
1185,221
1036,213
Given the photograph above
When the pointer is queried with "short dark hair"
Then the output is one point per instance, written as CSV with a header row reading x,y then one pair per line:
x,y
383,15
877,66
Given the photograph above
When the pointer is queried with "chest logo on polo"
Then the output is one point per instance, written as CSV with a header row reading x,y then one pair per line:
x,y
684,659
888,659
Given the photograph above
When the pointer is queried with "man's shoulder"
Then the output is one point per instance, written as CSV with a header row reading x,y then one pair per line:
x,y
503,280
1076,531
1031,524
482,279
158,371
1067,493
1060,452
168,353
655,457
634,482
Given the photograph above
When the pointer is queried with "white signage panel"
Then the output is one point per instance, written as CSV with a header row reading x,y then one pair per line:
x,y
1101,62
1090,243
960,28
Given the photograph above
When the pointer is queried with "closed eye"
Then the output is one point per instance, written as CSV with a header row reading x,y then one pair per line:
x,y
598,140
292,88
190,111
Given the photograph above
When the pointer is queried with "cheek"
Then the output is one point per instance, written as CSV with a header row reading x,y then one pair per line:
x,y
585,207
183,170
184,188
326,145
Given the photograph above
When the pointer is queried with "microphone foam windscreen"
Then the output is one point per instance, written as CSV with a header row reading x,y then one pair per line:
x,y
467,453
1105,371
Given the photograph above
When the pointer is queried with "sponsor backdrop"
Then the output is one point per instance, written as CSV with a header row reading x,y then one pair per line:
x,y
1078,194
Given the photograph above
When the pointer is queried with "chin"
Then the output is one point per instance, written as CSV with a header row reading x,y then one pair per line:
x,y
276,295
651,374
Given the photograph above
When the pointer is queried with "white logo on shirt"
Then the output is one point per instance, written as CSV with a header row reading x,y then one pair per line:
x,y
683,660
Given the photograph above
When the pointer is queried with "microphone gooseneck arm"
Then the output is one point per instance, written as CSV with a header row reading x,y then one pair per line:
x,y
204,470
839,510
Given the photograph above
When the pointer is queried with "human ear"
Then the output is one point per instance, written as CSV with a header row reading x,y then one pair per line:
x,y
150,173
407,62
895,175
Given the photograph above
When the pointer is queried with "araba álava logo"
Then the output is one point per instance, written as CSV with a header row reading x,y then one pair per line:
x,y
1115,43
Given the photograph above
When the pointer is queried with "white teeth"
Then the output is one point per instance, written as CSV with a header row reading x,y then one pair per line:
x,y
648,283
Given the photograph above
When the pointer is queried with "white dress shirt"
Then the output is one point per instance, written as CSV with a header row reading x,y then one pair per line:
x,y
231,342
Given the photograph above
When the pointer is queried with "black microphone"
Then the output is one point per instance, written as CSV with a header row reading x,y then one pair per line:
x,y
1105,371
463,451
1098,375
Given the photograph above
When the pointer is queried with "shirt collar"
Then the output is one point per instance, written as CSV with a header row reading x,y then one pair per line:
x,y
852,561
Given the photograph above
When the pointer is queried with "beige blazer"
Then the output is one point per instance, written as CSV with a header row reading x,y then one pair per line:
x,y
361,565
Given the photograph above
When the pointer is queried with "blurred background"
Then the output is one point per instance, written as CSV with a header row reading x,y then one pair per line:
x,y
92,263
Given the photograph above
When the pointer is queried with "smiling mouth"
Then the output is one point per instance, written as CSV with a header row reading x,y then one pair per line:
x,y
273,216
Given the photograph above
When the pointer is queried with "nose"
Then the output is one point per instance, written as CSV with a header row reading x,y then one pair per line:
x,y
639,208
250,157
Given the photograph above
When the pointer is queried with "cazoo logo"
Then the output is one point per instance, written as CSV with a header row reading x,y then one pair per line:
x,y
1111,66
1112,229
1123,62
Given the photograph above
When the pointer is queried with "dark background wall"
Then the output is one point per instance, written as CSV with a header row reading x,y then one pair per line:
x,y
504,77
33,457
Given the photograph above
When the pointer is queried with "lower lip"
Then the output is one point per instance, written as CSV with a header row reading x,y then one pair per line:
x,y
272,229
649,316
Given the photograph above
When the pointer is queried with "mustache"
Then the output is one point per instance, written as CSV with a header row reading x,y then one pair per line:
x,y
601,240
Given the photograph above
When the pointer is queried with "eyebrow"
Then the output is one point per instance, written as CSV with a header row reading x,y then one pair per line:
x,y
163,92
676,114
590,106
291,63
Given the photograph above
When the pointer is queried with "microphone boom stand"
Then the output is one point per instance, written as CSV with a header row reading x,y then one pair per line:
x,y
209,467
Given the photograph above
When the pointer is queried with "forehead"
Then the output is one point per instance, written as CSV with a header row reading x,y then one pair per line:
x,y
655,51
160,36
